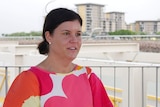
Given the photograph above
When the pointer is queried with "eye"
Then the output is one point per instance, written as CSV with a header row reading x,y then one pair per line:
x,y
79,34
66,33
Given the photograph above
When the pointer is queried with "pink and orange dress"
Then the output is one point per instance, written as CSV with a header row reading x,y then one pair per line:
x,y
39,88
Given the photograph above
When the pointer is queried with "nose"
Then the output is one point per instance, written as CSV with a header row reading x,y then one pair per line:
x,y
74,38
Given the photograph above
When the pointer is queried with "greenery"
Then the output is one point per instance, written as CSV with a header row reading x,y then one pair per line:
x,y
141,33
32,33
119,32
158,33
122,32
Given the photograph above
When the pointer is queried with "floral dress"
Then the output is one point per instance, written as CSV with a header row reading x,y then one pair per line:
x,y
39,88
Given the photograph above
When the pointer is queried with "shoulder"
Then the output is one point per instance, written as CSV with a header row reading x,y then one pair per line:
x,y
26,75
25,78
24,86
25,81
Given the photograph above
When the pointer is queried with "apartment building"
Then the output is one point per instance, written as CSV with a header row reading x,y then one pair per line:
x,y
158,26
148,27
92,15
115,21
94,19
131,27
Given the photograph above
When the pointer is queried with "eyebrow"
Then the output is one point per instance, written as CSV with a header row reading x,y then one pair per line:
x,y
70,31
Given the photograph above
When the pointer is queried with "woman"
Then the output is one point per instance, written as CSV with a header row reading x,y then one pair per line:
x,y
56,81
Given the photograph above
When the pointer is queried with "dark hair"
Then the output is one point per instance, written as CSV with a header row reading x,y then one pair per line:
x,y
52,21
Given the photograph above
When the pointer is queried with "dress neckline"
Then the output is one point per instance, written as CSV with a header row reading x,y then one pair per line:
x,y
52,72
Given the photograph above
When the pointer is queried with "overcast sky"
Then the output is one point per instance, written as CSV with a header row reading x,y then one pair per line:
x,y
28,15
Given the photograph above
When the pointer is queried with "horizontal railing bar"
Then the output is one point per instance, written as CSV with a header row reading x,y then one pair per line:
x,y
94,66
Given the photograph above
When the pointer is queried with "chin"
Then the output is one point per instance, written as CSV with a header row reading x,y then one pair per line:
x,y
72,57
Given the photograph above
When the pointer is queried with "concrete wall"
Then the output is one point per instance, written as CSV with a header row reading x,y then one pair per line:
x,y
126,52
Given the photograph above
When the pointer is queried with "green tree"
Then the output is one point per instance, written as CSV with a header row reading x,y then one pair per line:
x,y
18,34
32,33
35,33
158,33
122,32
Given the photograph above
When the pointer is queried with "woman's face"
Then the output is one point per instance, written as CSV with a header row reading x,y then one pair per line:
x,y
66,40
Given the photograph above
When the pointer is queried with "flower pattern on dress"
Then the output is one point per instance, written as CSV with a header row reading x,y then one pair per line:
x,y
32,101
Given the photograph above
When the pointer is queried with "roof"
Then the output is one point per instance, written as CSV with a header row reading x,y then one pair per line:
x,y
148,21
115,12
90,4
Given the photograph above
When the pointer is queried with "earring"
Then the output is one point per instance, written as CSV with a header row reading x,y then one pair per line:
x,y
49,43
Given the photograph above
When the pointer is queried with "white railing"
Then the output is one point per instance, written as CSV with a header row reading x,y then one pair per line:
x,y
98,37
127,86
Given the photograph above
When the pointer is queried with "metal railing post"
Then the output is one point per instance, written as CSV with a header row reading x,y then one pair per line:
x,y
156,86
114,83
128,86
142,87
6,79
101,73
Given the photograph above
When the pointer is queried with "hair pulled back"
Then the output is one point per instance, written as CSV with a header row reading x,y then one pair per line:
x,y
54,18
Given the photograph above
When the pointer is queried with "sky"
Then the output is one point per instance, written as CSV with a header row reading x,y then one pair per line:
x,y
28,15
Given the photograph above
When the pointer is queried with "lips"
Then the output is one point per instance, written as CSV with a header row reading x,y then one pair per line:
x,y
72,48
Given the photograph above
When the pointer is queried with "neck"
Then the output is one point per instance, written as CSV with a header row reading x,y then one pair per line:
x,y
57,66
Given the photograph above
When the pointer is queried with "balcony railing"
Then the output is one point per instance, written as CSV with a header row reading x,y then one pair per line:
x,y
127,86
95,37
